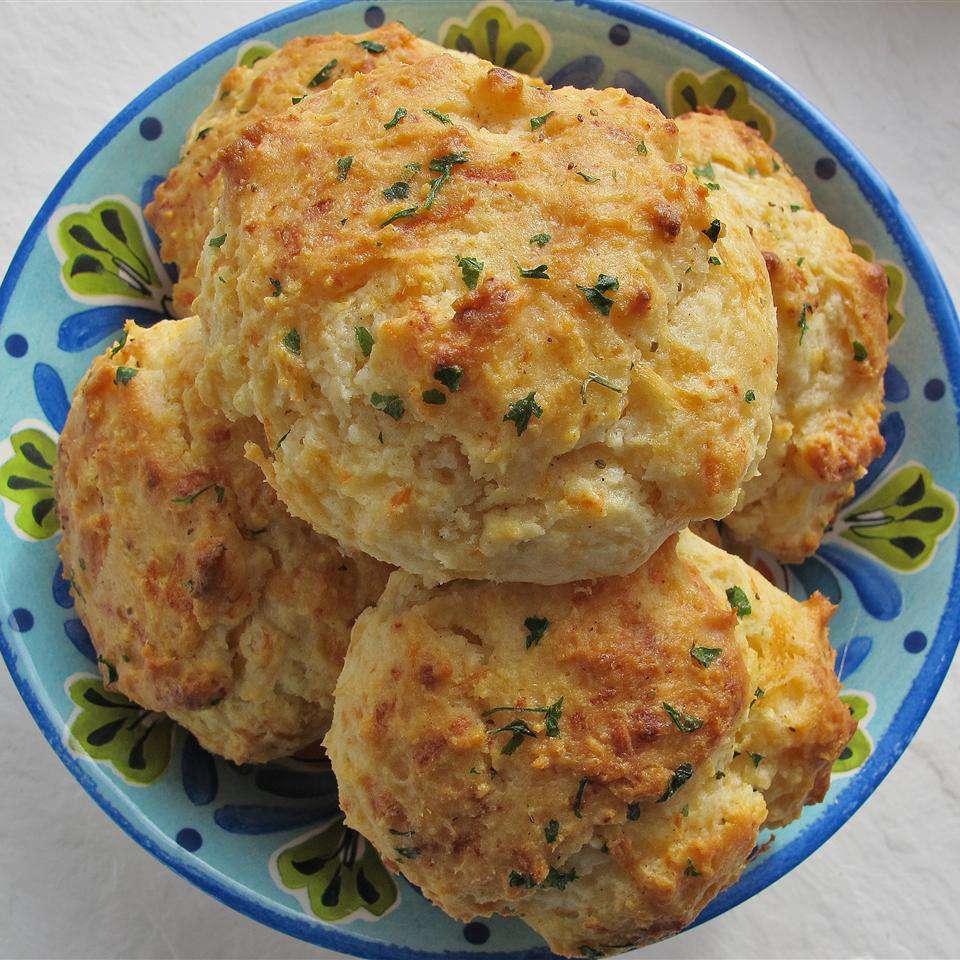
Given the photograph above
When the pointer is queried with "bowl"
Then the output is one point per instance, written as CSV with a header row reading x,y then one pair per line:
x,y
269,841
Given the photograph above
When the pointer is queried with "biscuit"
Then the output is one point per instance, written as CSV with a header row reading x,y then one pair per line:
x,y
183,206
505,337
596,757
203,597
832,309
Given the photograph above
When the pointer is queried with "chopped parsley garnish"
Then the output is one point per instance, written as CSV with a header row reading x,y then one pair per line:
x,y
540,121
713,186
859,351
756,758
749,396
540,239
796,206
705,655
397,191
408,212
551,831
551,715
595,294
739,601
578,799
588,177
408,853
752,171
719,775
522,410
800,261
802,322
714,261
203,133
685,810
220,491
124,375
412,169
712,233
536,627
776,166
685,723
371,46
450,377
324,75
757,695
389,403
291,340
364,340
470,270
437,115
111,669
600,381
217,241
680,776
706,172
343,167
396,118
633,810
444,166
119,345
280,441
521,880
535,273
402,833
690,870
642,148
277,289
520,729
296,100
559,879
434,396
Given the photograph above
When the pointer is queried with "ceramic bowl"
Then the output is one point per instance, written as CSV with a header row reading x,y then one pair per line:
x,y
269,841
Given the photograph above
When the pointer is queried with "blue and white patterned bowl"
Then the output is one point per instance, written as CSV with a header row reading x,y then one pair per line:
x,y
269,841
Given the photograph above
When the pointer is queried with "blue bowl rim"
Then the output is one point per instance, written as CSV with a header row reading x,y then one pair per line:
x,y
915,705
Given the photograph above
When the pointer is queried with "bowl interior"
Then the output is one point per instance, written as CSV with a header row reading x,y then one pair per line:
x,y
269,841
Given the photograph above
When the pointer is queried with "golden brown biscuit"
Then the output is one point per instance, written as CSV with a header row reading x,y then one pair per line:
x,y
204,598
831,308
183,207
596,757
504,338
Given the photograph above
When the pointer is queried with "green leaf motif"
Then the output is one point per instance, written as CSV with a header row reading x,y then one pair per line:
x,y
895,285
721,90
26,481
250,53
339,872
495,32
105,255
857,751
901,522
109,728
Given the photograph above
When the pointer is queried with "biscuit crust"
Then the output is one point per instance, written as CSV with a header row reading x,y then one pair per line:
x,y
594,411
203,597
829,396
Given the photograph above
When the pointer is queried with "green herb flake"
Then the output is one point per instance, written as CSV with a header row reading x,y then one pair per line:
x,y
800,261
685,810
343,167
450,377
277,289
470,270
705,172
634,810
600,381
280,441
291,340
120,343
552,716
434,396
713,186
551,831
124,375
535,273
739,601
220,493
536,122
364,340
389,403
595,295
540,239
756,758
802,322
408,853
796,206
719,775
705,655
437,115
111,669
522,410
412,169
296,100
776,166
712,233
587,177
371,46
395,119
559,879
749,396
684,722
578,800
324,75
407,212
642,148
521,880
397,191
752,171
536,628
520,730
444,166
714,261
217,241
402,833
680,776
690,870
859,351
202,133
